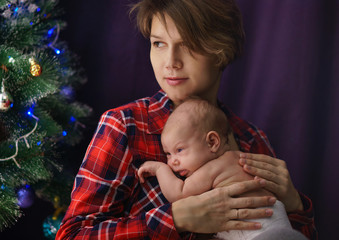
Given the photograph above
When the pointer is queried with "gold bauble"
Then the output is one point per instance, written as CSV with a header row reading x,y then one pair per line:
x,y
35,69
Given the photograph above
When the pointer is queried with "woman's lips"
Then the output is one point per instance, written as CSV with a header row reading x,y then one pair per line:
x,y
174,81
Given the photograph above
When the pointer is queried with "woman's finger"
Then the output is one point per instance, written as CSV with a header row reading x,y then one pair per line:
x,y
252,213
261,165
273,187
241,225
243,187
252,202
262,158
262,173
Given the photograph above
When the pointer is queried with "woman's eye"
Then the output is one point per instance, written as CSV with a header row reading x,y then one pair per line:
x,y
179,149
158,44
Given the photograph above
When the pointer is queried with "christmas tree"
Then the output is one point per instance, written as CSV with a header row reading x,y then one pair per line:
x,y
39,117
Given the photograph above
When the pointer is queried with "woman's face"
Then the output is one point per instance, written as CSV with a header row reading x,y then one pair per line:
x,y
181,73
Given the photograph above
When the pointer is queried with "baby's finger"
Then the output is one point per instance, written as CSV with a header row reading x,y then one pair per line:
x,y
141,175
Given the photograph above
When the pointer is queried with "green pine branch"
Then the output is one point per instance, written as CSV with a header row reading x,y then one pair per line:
x,y
44,120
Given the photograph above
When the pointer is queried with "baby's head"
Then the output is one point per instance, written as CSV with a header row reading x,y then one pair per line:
x,y
195,133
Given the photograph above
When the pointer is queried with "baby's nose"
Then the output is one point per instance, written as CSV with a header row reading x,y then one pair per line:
x,y
176,162
173,162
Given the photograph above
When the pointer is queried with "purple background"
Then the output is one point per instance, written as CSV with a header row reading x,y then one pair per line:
x,y
286,82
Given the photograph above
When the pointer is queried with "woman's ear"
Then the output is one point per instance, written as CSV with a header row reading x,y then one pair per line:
x,y
213,141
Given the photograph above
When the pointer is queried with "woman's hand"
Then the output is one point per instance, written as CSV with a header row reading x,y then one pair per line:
x,y
220,209
275,172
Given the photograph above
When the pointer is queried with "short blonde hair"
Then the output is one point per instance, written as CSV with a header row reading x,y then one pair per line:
x,y
206,26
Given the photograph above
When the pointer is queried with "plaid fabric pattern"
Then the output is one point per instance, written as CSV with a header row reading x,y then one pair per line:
x,y
108,202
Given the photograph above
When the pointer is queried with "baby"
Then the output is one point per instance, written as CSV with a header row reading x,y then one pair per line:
x,y
195,135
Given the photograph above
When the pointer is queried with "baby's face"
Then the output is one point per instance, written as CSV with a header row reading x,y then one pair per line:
x,y
186,148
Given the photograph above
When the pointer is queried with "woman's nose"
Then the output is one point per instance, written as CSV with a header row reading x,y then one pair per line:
x,y
174,59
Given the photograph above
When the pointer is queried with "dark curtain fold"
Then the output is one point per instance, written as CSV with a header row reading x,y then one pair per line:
x,y
286,82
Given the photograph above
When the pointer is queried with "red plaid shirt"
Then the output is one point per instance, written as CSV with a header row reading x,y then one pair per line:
x,y
108,202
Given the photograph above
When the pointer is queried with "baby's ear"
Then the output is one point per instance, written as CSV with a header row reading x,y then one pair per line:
x,y
213,141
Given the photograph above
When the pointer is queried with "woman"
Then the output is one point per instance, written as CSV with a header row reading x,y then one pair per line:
x,y
192,41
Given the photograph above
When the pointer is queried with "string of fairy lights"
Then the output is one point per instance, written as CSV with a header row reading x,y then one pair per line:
x,y
6,100
22,137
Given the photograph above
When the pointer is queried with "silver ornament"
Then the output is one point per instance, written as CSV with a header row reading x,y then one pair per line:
x,y
6,99
7,13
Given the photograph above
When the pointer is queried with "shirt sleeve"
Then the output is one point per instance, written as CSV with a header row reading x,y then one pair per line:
x,y
104,186
302,221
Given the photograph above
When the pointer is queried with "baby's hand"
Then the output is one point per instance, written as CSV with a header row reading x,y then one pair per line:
x,y
149,169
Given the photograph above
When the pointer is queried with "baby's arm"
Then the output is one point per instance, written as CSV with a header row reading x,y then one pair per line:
x,y
153,168
172,187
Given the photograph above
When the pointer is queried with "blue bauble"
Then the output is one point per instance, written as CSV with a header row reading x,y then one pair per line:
x,y
67,92
51,226
25,196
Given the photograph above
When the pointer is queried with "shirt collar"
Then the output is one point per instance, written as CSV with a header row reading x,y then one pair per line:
x,y
241,129
159,109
